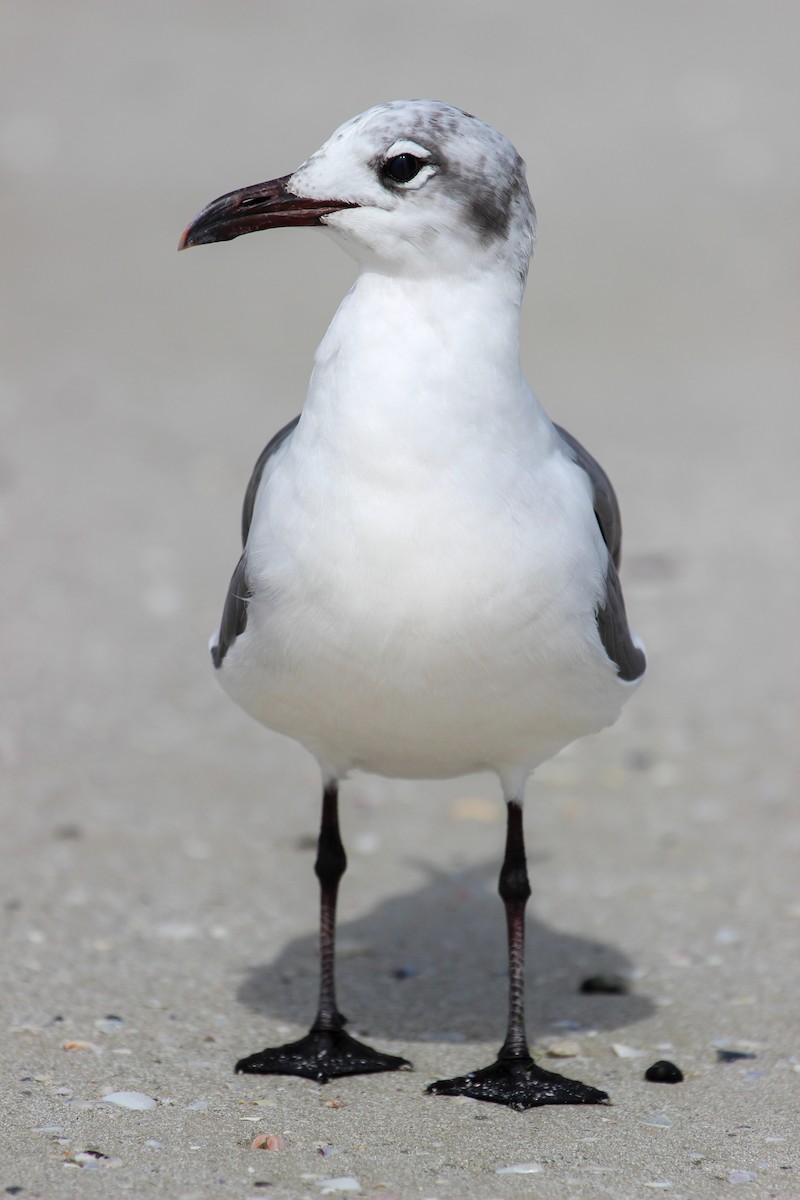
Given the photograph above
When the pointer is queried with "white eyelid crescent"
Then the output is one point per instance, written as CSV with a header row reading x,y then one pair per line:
x,y
405,146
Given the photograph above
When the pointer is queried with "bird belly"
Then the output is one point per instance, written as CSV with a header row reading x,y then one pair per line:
x,y
420,720
412,655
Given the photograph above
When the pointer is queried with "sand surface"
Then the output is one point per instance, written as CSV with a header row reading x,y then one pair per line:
x,y
159,906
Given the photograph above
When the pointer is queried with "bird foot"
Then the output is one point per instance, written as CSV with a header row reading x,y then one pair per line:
x,y
322,1054
520,1084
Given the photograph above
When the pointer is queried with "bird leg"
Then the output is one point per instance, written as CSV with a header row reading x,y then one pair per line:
x,y
326,1051
514,1078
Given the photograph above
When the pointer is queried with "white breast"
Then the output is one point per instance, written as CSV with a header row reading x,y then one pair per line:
x,y
425,564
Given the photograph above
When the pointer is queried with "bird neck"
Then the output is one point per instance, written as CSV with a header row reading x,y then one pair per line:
x,y
421,353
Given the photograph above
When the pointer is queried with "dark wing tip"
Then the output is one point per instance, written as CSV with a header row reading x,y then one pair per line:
x,y
612,620
615,634
234,613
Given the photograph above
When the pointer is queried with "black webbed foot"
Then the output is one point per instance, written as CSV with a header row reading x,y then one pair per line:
x,y
322,1054
519,1083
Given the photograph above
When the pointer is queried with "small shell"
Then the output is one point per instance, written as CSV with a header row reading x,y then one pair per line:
x,y
623,1051
564,1048
136,1100
267,1141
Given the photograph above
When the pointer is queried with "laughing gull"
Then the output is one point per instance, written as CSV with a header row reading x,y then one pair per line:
x,y
429,581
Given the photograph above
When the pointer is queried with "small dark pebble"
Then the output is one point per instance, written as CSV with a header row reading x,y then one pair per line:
x,y
405,972
663,1071
608,985
728,1056
14,1190
263,1183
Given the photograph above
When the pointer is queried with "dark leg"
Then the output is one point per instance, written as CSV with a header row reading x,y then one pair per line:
x,y
514,1079
326,1050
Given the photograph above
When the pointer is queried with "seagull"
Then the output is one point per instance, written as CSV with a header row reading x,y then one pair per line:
x,y
428,586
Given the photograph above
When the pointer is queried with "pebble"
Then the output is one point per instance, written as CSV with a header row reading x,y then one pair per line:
x,y
70,1046
109,1024
623,1051
663,1071
663,1184
345,1183
606,985
136,1100
729,1056
660,1122
565,1048
741,1176
406,971
93,1160
531,1168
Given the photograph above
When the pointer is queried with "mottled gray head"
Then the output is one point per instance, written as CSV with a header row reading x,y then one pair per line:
x,y
413,187
433,189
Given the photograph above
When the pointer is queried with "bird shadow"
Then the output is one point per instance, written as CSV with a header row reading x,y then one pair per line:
x,y
430,965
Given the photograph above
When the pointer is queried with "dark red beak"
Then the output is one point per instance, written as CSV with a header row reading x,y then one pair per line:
x,y
262,206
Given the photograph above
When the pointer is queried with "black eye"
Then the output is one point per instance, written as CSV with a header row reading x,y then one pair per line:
x,y
402,168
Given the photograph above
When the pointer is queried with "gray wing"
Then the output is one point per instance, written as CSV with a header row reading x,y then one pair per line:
x,y
234,612
612,621
258,470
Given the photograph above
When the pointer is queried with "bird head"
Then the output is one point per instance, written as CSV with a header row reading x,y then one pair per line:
x,y
408,187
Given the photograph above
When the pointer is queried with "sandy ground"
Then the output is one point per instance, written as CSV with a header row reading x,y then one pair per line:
x,y
157,863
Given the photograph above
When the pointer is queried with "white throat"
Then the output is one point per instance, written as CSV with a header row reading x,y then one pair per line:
x,y
418,364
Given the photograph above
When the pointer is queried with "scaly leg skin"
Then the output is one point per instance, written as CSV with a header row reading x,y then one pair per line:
x,y
326,1051
514,1078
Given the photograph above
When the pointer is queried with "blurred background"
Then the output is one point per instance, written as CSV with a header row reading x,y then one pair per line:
x,y
138,386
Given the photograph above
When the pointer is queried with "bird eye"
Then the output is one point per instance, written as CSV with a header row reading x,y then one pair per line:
x,y
401,168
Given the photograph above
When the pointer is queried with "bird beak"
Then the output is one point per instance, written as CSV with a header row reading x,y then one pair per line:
x,y
267,205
